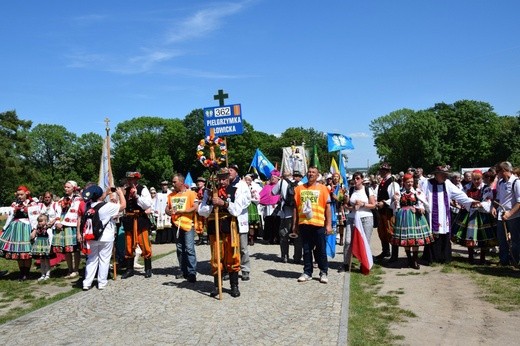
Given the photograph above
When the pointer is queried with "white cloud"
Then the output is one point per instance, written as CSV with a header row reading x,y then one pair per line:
x,y
202,22
360,135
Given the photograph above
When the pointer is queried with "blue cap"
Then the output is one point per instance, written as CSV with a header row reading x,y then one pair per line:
x,y
92,193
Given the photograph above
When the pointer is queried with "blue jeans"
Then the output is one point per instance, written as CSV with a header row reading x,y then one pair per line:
x,y
186,252
314,239
513,226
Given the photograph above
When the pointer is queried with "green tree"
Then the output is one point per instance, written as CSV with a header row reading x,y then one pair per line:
x,y
87,153
146,144
472,133
14,149
463,134
52,148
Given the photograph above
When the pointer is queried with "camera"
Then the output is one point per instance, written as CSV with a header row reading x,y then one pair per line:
x,y
113,189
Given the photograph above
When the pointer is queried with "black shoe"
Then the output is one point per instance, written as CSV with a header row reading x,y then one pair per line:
x,y
297,261
393,259
214,293
192,278
382,255
181,276
225,277
129,273
147,268
235,292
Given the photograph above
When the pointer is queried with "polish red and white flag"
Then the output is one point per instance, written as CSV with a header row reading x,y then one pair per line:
x,y
360,246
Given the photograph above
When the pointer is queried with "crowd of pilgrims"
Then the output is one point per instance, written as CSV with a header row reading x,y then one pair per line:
x,y
409,210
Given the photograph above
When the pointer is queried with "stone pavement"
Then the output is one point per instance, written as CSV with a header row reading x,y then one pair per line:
x,y
273,308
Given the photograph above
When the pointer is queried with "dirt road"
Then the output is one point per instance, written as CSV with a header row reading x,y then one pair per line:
x,y
448,308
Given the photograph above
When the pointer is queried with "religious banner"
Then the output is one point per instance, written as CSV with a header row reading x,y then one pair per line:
x,y
294,158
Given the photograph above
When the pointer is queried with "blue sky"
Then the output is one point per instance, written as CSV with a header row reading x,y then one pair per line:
x,y
332,65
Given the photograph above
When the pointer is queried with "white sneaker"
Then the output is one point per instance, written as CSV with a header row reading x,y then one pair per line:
x,y
138,266
41,278
324,279
304,277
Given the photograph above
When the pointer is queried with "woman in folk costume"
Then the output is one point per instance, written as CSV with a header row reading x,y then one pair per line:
x,y
66,234
41,247
252,210
411,228
474,227
49,208
15,241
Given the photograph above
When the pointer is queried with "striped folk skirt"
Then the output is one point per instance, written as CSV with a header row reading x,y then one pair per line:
x,y
411,229
41,248
474,230
15,241
64,240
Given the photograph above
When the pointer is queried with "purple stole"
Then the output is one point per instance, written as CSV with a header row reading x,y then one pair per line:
x,y
435,207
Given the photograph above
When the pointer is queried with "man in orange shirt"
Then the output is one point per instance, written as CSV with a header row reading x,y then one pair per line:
x,y
181,205
312,221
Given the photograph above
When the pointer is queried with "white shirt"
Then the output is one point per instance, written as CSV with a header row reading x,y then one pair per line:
x,y
106,215
360,195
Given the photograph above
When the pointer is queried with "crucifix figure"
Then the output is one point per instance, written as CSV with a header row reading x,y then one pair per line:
x,y
220,96
107,128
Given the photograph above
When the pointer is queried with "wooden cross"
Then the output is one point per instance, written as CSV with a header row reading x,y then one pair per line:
x,y
220,96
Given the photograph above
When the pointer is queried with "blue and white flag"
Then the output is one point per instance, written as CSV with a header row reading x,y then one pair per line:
x,y
106,180
262,164
337,142
188,181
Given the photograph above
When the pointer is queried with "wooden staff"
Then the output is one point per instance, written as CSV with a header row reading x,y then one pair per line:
x,y
212,157
217,241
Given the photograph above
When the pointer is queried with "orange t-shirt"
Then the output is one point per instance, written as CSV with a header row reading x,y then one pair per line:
x,y
319,196
182,201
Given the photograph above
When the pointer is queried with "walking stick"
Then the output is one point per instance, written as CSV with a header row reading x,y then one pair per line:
x,y
507,235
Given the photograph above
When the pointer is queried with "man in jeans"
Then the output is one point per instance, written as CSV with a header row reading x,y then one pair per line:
x,y
508,195
182,205
312,222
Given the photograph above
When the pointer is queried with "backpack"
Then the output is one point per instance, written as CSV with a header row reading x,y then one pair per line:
x,y
91,226
289,200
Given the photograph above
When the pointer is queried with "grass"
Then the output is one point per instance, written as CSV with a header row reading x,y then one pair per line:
x,y
371,314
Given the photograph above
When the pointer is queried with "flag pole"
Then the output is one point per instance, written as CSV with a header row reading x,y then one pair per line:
x,y
111,184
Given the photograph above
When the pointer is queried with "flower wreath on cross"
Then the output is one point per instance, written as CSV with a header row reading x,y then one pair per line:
x,y
214,161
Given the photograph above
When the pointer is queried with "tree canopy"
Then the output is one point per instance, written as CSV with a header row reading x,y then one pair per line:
x,y
463,134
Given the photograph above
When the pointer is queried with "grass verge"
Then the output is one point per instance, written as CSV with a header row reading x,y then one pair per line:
x,y
498,285
371,314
